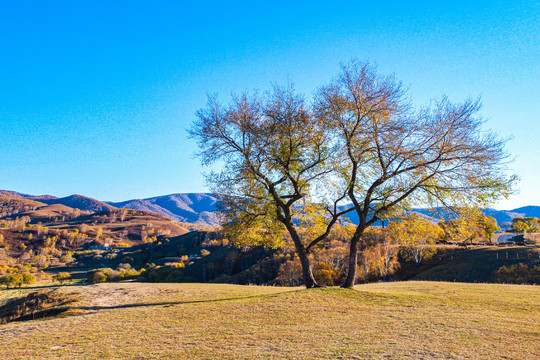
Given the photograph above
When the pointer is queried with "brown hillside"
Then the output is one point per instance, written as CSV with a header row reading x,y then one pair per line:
x,y
11,204
22,240
80,202
50,213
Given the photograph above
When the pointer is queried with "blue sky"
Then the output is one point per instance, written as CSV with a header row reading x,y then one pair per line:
x,y
96,97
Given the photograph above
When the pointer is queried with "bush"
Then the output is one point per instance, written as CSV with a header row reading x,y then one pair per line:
x,y
177,265
324,274
11,280
62,277
205,252
96,276
164,274
110,275
17,279
28,278
67,259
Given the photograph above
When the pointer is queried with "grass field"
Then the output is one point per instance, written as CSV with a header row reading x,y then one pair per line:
x,y
417,320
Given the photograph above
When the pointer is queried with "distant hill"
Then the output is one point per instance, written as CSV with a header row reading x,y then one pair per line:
x,y
196,208
11,204
45,213
79,202
27,196
200,208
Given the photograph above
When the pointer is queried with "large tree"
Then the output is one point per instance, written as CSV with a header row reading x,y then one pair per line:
x,y
393,156
289,167
276,178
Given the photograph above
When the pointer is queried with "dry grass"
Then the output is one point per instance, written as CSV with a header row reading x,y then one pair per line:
x,y
417,320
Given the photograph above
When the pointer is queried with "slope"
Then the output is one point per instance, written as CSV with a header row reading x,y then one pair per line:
x,y
80,202
198,208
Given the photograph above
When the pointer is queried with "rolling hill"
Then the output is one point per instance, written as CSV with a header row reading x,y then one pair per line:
x,y
79,202
200,208
197,208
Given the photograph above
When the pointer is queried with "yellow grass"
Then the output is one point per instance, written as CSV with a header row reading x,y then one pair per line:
x,y
416,320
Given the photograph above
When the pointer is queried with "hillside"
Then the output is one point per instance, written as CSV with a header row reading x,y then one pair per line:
x,y
12,204
200,208
477,264
47,213
80,202
52,231
194,208
416,320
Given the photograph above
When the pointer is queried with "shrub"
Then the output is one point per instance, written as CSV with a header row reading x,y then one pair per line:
x,y
110,275
164,274
324,274
67,259
28,278
96,276
62,277
11,280
177,265
205,252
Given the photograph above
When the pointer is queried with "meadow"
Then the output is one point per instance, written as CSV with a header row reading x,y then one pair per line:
x,y
415,319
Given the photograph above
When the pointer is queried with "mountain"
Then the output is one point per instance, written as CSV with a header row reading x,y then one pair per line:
x,y
78,202
197,208
75,201
503,216
26,196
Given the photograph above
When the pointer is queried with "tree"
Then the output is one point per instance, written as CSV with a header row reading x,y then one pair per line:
x,y
275,180
418,235
99,232
368,260
489,225
463,226
525,224
393,156
289,167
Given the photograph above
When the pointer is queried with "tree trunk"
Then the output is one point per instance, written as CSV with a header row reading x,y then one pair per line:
x,y
307,268
353,260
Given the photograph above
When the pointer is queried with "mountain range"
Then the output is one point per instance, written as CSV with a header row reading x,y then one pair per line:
x,y
195,208
200,208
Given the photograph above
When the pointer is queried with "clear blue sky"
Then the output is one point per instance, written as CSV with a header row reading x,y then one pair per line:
x,y
96,96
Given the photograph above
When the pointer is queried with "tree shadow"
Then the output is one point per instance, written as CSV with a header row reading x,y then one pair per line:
x,y
173,303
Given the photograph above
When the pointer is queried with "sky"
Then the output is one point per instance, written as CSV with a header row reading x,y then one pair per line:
x,y
96,96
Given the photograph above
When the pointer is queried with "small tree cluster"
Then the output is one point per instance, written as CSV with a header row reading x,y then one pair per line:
x,y
519,274
123,272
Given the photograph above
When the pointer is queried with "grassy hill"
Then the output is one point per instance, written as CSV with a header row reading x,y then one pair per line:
x,y
416,320
479,265
80,202
476,264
